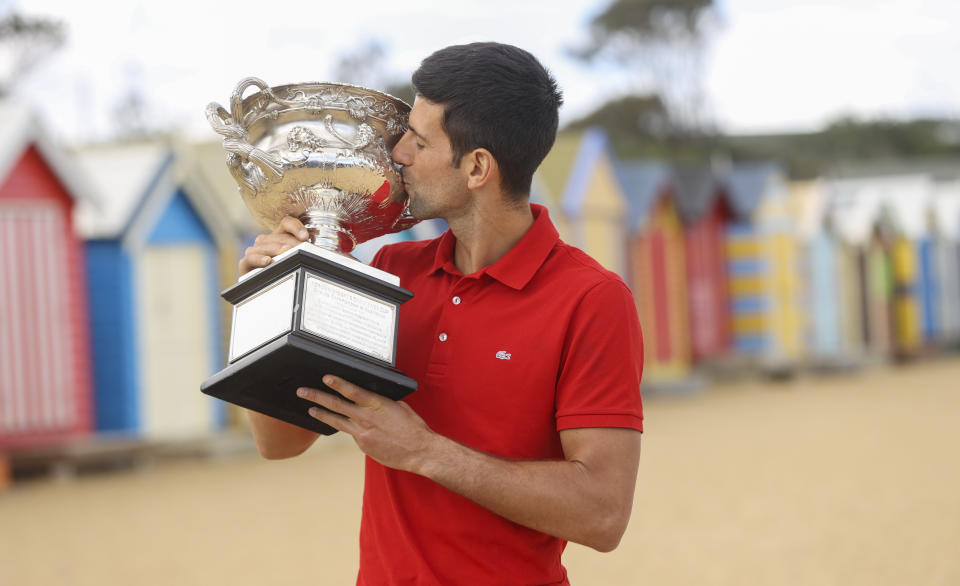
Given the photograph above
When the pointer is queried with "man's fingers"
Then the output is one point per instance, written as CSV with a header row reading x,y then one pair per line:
x,y
328,400
294,227
334,420
358,395
265,247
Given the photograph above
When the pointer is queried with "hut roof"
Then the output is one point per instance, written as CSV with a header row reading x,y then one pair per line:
x,y
122,173
20,128
749,183
695,189
642,181
135,183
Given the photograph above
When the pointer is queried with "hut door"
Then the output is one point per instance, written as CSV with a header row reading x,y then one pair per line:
x,y
175,341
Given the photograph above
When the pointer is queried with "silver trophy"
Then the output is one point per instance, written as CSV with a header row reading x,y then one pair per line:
x,y
319,152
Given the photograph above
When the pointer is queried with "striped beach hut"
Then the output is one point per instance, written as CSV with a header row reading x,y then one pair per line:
x,y
153,256
831,299
702,204
657,271
581,171
763,268
45,382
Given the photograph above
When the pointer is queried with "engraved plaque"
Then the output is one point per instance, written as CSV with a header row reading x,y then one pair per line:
x,y
349,318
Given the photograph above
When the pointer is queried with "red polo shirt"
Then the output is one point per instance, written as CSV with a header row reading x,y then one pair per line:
x,y
543,340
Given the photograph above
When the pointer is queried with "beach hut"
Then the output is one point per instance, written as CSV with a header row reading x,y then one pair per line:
x,y
702,204
552,175
45,382
657,271
153,256
855,208
581,169
887,214
945,239
830,297
915,278
763,268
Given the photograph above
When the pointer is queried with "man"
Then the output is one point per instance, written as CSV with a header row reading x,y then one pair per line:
x,y
524,432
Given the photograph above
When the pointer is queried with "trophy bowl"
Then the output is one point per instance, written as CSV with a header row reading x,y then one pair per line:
x,y
319,152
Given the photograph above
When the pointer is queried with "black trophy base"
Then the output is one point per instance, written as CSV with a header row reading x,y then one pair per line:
x,y
267,379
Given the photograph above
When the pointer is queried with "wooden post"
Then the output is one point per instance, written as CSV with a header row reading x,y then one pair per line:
x,y
6,472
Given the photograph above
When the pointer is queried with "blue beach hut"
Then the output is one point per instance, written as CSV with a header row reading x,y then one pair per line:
x,y
153,259
831,297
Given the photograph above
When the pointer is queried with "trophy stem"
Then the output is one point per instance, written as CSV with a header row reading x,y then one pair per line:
x,y
325,229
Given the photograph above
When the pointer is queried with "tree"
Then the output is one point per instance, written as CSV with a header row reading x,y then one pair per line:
x,y
659,44
24,42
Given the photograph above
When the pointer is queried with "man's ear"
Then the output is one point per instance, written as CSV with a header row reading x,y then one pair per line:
x,y
481,168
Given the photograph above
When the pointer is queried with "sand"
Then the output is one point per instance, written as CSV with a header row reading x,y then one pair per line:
x,y
825,480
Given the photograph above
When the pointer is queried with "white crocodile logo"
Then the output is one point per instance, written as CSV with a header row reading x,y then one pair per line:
x,y
503,355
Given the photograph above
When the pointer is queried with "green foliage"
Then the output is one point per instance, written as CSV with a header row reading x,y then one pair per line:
x,y
850,141
640,126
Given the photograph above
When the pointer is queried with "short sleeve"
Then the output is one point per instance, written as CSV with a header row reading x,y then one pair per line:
x,y
378,260
602,363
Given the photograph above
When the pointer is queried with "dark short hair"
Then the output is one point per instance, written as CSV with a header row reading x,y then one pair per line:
x,y
497,97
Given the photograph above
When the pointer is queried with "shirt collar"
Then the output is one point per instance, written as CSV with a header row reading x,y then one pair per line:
x,y
518,266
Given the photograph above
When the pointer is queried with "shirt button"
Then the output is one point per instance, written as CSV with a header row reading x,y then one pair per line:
x,y
456,301
443,337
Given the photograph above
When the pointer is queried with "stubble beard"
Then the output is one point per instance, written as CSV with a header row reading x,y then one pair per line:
x,y
418,208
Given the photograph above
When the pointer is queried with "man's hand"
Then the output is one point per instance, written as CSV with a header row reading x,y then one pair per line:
x,y
289,233
388,431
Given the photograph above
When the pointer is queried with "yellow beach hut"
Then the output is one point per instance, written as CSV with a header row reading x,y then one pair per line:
x,y
580,172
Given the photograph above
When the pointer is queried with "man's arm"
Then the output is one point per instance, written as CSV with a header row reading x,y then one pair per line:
x,y
276,439
585,498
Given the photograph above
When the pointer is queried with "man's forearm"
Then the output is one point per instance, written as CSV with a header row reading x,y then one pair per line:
x,y
563,498
278,439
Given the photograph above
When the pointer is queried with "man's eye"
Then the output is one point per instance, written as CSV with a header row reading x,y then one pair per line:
x,y
419,146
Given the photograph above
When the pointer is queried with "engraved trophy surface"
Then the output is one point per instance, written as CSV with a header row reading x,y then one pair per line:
x,y
319,152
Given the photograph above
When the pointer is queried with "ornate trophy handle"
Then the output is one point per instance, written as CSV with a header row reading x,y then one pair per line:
x,y
236,141
236,98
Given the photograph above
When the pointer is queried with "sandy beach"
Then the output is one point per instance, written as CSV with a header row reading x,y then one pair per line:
x,y
823,480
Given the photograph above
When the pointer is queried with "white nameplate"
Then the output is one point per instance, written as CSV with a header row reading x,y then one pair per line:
x,y
263,317
350,318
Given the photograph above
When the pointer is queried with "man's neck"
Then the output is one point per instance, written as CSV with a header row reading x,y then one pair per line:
x,y
487,234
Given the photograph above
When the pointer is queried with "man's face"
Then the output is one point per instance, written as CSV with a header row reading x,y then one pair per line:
x,y
435,187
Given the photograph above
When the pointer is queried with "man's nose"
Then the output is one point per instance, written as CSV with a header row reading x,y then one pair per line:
x,y
399,152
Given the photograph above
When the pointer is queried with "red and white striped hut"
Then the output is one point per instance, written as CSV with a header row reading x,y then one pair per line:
x,y
45,379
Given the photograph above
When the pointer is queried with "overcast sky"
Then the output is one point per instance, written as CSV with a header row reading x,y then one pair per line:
x,y
773,65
